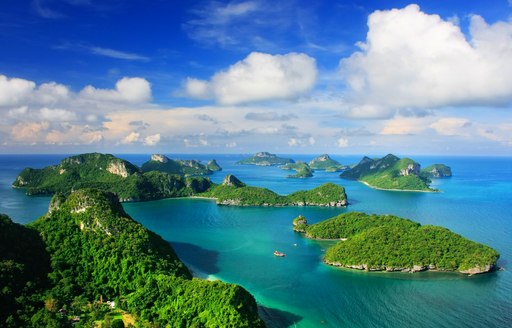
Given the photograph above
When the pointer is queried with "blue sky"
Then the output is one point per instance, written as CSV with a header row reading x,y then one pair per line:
x,y
351,77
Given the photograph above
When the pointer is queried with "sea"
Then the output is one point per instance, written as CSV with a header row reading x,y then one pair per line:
x,y
236,244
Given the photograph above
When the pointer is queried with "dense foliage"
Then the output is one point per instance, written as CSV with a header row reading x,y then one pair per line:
x,y
99,253
324,162
386,242
108,173
389,172
302,170
437,171
328,194
180,167
265,159
24,265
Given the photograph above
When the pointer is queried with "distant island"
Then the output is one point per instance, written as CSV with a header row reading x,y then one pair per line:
x,y
88,262
389,243
326,163
162,163
390,173
109,173
234,192
436,171
302,170
265,159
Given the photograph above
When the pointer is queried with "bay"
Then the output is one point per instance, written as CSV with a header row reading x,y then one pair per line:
x,y
236,244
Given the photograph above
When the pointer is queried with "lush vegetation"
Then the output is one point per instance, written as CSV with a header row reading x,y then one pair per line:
x,y
386,242
265,159
324,162
237,193
97,252
162,163
389,172
302,170
437,171
108,173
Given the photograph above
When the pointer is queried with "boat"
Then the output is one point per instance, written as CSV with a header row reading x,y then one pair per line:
x,y
278,253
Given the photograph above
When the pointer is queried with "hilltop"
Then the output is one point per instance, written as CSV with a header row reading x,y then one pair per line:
x,y
390,173
390,243
109,256
326,163
234,192
265,159
302,170
162,163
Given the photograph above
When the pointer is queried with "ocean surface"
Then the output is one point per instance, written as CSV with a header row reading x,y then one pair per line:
x,y
235,244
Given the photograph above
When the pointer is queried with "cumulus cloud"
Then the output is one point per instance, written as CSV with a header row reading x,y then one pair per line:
x,y
451,126
56,115
131,90
131,138
14,90
414,59
404,126
301,141
258,77
152,139
342,142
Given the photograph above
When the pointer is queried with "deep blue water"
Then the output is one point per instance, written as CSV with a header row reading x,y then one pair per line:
x,y
236,244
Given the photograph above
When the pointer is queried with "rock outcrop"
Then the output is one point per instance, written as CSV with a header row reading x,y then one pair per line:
x,y
232,181
159,158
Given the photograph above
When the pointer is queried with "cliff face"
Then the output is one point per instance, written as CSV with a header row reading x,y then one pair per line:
x,y
118,168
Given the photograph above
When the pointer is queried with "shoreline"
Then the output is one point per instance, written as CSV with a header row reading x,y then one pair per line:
x,y
401,190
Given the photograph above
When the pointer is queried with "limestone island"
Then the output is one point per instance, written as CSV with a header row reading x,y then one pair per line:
x,y
389,173
130,183
389,243
162,163
87,262
265,159
302,170
436,171
326,163
234,192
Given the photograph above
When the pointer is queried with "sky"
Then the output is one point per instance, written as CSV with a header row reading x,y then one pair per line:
x,y
289,77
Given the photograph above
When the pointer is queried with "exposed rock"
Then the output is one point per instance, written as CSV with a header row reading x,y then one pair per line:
x,y
159,158
232,181
411,169
478,269
118,168
213,166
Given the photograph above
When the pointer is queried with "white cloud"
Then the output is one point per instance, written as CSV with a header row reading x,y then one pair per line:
x,y
50,93
152,139
14,90
301,141
413,59
259,77
131,138
131,90
451,126
404,126
56,115
106,52
342,142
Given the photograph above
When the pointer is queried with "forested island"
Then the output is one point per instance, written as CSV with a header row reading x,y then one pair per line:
x,y
389,243
302,170
88,263
265,159
435,171
162,163
326,163
390,173
234,192
109,173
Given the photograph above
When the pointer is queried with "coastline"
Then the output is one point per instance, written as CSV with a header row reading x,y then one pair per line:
x,y
401,190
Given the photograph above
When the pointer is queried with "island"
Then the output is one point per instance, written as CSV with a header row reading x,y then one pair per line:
x,y
235,193
265,159
436,171
389,173
302,170
326,163
390,243
109,173
162,163
86,261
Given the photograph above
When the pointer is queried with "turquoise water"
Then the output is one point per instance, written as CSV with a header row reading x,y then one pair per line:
x,y
236,245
